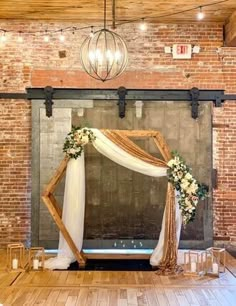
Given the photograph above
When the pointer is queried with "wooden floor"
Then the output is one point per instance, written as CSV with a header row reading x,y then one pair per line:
x,y
102,288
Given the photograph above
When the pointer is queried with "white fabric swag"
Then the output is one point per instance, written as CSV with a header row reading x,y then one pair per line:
x,y
74,200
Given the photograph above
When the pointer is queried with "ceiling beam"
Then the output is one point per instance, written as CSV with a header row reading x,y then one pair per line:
x,y
230,31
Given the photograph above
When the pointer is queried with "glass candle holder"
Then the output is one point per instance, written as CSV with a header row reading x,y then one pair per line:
x,y
36,258
212,265
194,263
15,257
219,256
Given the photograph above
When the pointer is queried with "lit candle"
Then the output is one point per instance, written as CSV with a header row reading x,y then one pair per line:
x,y
15,264
215,268
193,267
35,264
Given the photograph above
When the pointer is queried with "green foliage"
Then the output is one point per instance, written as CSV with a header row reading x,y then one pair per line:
x,y
189,190
75,141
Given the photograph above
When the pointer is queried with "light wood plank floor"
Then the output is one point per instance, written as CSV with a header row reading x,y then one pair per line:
x,y
103,288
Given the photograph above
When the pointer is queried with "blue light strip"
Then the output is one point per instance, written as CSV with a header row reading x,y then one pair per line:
x,y
109,251
118,251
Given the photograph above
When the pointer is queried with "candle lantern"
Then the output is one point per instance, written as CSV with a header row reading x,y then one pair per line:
x,y
15,257
194,263
216,260
212,265
36,258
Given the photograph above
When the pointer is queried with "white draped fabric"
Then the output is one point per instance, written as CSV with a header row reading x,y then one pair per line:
x,y
74,199
72,214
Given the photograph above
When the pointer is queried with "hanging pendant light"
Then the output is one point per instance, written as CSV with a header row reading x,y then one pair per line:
x,y
104,54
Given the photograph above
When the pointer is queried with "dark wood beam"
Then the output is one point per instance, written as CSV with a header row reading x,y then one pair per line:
x,y
194,95
132,94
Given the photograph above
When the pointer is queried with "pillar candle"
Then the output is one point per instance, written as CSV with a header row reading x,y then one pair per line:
x,y
15,263
215,268
35,264
193,267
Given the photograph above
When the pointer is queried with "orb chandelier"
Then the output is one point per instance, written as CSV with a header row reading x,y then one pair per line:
x,y
104,54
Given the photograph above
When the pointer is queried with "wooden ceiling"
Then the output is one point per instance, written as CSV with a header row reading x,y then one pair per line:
x,y
92,10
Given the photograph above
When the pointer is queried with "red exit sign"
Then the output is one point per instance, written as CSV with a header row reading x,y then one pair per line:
x,y
182,51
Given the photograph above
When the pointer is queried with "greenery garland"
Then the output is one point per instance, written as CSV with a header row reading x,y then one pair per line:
x,y
190,190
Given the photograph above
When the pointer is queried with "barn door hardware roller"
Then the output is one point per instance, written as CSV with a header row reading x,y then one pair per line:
x,y
48,91
194,93
122,92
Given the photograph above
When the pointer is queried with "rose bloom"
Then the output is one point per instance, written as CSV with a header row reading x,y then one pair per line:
x,y
171,163
72,151
188,176
85,140
192,188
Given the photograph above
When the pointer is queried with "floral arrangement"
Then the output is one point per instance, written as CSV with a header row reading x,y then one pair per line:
x,y
75,141
190,191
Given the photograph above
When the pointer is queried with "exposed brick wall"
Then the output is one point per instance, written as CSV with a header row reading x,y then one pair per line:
x,y
15,159
35,63
225,154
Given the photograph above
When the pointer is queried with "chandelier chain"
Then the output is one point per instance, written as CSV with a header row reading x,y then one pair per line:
x,y
105,13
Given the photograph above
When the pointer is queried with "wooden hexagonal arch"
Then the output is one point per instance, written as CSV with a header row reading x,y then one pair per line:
x,y
169,258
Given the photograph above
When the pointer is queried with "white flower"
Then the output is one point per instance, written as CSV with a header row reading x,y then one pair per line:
x,y
171,163
187,202
192,188
72,151
177,161
188,176
184,184
84,139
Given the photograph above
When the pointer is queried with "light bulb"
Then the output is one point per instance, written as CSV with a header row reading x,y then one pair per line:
x,y
99,56
143,25
109,55
3,37
91,34
200,14
46,37
20,38
117,55
61,37
91,56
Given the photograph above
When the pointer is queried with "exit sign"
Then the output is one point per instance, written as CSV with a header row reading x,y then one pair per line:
x,y
182,51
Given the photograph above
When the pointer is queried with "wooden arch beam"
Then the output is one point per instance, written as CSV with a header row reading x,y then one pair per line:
x,y
170,232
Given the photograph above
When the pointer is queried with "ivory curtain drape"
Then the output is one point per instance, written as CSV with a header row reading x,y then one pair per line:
x,y
126,154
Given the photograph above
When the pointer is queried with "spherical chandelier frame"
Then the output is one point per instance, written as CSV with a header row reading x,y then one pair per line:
x,y
104,56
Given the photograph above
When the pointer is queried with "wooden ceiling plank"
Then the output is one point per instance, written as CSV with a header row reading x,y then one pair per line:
x,y
126,10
